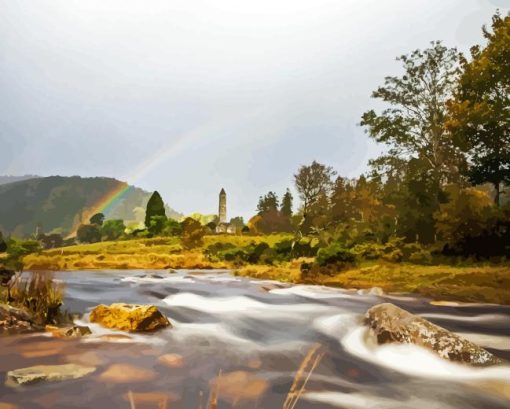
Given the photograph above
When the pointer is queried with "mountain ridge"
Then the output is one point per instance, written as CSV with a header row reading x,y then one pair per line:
x,y
60,203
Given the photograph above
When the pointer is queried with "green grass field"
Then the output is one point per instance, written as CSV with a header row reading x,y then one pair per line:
x,y
472,282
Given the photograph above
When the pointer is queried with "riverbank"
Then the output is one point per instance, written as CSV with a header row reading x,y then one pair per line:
x,y
467,283
474,283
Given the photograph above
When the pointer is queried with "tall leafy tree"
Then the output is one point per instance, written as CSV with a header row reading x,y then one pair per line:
x,y
480,111
267,203
155,207
313,183
413,124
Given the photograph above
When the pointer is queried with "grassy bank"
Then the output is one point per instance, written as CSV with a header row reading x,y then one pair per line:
x,y
471,283
475,283
155,253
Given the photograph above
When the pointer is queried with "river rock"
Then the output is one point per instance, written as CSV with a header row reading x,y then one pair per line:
x,y
47,373
129,317
15,320
391,324
76,331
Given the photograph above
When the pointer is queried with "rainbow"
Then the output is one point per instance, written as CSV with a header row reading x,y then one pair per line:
x,y
186,140
106,203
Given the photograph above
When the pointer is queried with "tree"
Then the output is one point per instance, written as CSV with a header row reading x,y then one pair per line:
x,y
343,207
286,206
51,241
155,207
157,225
267,203
113,229
480,109
413,125
3,244
88,233
464,214
192,233
313,183
272,221
97,219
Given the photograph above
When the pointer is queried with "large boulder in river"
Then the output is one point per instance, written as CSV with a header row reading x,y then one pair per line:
x,y
390,323
47,373
129,317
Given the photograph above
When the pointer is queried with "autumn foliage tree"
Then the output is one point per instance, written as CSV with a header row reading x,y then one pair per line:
x,y
480,109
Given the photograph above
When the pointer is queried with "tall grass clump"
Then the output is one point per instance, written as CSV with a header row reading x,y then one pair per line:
x,y
41,295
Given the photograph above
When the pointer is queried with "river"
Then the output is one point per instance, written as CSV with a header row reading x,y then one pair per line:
x,y
254,335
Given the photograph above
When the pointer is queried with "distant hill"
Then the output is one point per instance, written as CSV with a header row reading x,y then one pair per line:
x,y
11,179
59,203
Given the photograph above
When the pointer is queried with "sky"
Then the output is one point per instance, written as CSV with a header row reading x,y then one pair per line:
x,y
189,96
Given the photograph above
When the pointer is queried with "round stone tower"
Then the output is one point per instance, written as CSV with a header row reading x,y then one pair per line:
x,y
222,213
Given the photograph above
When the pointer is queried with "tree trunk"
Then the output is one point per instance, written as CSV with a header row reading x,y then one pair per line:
x,y
498,193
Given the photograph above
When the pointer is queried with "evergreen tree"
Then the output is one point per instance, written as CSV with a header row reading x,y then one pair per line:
x,y
269,202
155,207
286,206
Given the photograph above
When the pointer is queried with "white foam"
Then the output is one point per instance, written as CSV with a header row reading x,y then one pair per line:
x,y
416,361
475,318
218,279
170,279
336,326
314,292
241,305
362,401
99,332
487,341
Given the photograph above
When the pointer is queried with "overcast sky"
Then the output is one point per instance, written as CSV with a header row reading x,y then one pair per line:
x,y
188,96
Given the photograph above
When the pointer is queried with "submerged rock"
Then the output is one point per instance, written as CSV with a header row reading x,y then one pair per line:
x,y
129,317
76,331
391,324
47,373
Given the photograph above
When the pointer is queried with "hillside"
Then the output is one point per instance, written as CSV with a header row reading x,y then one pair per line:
x,y
4,179
59,203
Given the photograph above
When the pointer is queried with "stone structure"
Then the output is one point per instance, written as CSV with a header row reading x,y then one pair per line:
x,y
222,211
223,226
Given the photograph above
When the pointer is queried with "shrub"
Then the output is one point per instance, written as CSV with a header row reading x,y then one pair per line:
x,y
215,251
192,233
335,254
88,233
421,257
113,229
291,249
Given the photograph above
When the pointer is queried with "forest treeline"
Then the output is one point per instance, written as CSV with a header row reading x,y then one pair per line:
x,y
442,178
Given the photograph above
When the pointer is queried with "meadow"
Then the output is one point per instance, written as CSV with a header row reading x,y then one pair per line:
x,y
468,281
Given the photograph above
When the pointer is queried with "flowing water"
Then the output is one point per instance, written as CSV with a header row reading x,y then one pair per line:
x,y
257,334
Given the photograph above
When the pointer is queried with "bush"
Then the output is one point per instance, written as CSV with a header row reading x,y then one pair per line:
x,y
291,249
88,233
216,251
192,233
335,254
113,229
